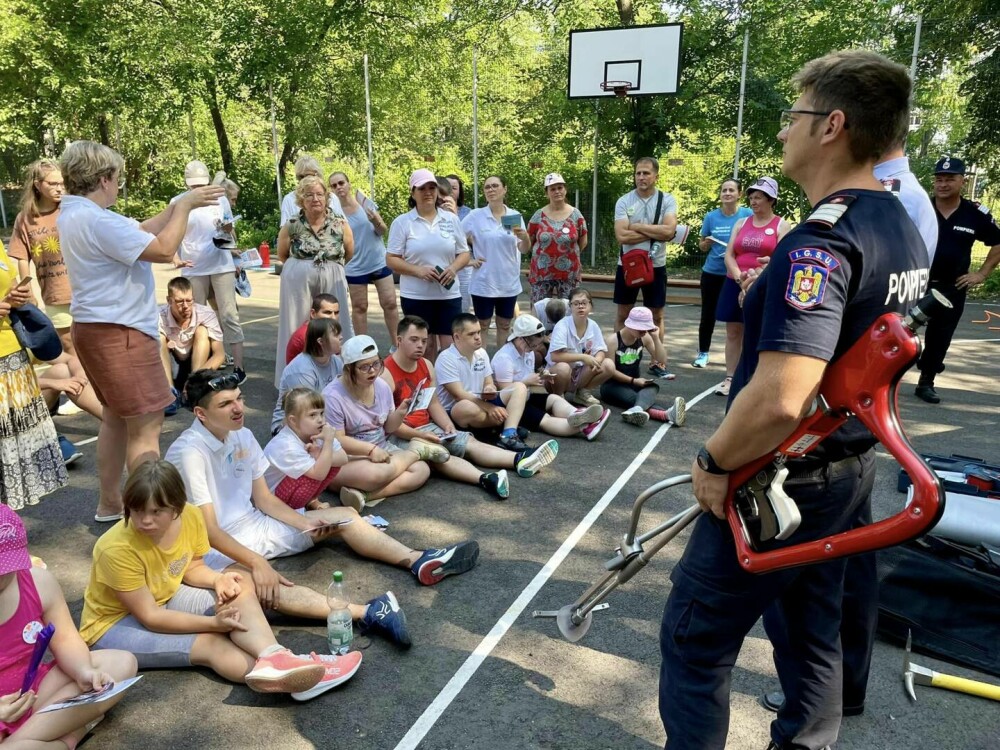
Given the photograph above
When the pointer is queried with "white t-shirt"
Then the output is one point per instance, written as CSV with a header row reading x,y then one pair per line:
x,y
290,209
109,282
564,338
197,245
452,367
287,457
427,243
304,372
509,366
500,274
219,473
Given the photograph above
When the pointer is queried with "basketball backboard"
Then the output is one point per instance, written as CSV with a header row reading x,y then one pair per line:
x,y
648,57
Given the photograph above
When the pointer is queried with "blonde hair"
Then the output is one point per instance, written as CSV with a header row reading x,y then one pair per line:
x,y
34,172
307,182
299,400
85,163
231,187
306,165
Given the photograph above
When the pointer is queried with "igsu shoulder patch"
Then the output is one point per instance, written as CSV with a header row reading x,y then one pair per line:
x,y
808,276
829,213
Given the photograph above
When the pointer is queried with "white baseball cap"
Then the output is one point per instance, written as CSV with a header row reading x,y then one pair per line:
x,y
358,348
525,325
196,174
554,178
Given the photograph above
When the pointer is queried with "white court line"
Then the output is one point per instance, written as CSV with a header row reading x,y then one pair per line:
x,y
975,341
458,681
84,442
258,320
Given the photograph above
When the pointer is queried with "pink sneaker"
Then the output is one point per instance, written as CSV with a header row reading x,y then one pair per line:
x,y
284,672
591,431
339,669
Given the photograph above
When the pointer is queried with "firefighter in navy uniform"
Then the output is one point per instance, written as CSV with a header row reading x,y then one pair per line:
x,y
960,223
857,256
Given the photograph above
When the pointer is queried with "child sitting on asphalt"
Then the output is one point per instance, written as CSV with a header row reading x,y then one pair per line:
x,y
577,353
30,600
305,455
625,389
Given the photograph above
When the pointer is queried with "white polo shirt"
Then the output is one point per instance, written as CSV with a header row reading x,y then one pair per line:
x,y
288,456
219,473
509,366
109,282
564,338
452,367
197,245
427,243
500,274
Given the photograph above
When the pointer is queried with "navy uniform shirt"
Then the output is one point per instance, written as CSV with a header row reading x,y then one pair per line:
x,y
956,236
857,256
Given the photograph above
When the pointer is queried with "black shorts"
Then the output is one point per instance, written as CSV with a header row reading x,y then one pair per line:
x,y
654,294
365,279
484,306
534,413
439,313
728,309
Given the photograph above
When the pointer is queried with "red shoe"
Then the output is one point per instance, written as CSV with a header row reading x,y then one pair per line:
x,y
339,669
284,672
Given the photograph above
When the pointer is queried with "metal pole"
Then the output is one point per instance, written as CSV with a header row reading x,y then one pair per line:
x,y
274,146
368,117
3,210
475,130
916,50
194,143
593,195
739,116
118,148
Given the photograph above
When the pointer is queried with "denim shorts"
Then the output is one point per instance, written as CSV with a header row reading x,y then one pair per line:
x,y
369,278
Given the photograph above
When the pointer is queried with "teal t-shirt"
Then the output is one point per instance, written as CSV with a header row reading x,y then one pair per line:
x,y
720,227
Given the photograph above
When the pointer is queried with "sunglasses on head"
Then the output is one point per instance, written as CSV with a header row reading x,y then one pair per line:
x,y
225,382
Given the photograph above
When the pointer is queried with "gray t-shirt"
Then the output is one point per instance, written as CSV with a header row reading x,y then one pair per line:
x,y
304,372
640,210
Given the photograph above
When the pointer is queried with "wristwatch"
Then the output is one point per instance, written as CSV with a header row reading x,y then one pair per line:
x,y
707,463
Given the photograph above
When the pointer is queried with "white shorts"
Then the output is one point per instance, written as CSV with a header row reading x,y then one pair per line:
x,y
268,537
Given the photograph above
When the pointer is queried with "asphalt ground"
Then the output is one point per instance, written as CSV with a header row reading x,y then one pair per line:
x,y
482,672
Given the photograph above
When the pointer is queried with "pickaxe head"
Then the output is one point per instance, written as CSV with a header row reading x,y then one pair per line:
x,y
913,673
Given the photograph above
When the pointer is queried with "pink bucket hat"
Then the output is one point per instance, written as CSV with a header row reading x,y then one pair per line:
x,y
422,177
640,319
13,542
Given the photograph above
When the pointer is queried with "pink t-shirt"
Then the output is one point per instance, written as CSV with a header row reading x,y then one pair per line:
x,y
358,420
17,635
755,242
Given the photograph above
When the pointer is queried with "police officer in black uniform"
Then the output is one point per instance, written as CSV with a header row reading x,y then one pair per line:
x,y
960,223
850,261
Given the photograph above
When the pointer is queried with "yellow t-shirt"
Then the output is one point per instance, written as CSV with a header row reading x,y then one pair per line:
x,y
8,278
127,560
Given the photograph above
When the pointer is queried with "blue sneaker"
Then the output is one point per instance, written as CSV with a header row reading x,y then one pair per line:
x,y
174,407
701,360
660,371
435,564
69,451
384,616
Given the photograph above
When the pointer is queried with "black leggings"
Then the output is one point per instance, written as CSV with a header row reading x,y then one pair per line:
x,y
625,396
711,287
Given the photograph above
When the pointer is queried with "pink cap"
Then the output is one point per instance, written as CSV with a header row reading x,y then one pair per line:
x,y
640,319
422,177
554,178
13,542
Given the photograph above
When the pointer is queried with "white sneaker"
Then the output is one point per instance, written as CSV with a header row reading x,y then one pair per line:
x,y
586,416
723,388
351,497
678,412
636,415
67,409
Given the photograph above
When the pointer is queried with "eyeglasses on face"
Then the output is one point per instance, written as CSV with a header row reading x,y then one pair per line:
x,y
338,183
580,302
786,119
370,367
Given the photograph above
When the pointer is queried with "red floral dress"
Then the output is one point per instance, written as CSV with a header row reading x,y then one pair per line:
x,y
555,254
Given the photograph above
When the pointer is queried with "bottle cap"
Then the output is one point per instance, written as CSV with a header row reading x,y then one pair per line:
x,y
338,576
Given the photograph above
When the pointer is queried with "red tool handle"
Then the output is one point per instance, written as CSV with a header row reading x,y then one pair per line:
x,y
862,382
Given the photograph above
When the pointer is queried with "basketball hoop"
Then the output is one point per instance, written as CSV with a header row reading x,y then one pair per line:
x,y
621,88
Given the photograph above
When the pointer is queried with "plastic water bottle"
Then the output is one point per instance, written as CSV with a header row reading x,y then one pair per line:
x,y
339,623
